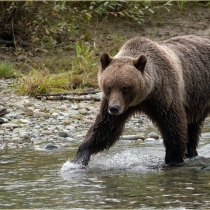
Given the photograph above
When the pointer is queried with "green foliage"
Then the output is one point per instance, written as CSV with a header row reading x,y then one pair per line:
x,y
83,66
208,4
79,71
7,71
155,30
135,10
180,4
47,24
50,26
41,82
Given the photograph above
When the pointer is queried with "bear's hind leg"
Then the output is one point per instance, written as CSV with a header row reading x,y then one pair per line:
x,y
172,124
194,130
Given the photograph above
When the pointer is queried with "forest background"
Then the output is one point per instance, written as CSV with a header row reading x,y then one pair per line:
x,y
54,46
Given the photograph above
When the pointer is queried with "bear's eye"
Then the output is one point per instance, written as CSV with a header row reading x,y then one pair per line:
x,y
126,89
108,89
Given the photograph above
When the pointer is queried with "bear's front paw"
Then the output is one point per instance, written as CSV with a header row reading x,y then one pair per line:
x,y
82,158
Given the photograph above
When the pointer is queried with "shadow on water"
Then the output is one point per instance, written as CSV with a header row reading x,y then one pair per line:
x,y
129,175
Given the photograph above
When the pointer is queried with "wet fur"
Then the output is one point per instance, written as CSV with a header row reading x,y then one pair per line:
x,y
173,91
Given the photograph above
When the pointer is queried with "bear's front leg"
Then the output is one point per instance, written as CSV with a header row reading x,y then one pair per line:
x,y
103,133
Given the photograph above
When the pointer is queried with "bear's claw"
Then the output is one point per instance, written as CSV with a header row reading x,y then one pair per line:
x,y
82,158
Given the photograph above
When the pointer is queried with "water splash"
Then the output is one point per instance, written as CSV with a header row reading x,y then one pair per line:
x,y
132,159
70,170
138,159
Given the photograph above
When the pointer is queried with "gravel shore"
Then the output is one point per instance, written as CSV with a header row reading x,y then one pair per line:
x,y
29,121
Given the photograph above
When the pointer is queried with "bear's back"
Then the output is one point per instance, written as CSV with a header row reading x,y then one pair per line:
x,y
188,56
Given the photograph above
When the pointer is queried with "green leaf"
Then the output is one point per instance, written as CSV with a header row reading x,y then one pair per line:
x,y
89,16
151,11
141,12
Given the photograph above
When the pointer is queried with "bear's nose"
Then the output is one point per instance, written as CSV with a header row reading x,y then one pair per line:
x,y
114,109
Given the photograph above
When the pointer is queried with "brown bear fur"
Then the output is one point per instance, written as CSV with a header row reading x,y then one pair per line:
x,y
169,81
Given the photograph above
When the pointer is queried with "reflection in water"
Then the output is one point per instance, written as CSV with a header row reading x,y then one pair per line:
x,y
129,175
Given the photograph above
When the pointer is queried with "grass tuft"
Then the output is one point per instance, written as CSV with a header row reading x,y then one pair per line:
x,y
7,71
78,71
42,82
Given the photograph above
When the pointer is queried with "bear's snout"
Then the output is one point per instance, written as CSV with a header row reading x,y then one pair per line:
x,y
114,109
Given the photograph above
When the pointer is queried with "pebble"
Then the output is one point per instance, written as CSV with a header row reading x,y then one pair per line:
x,y
132,137
55,115
153,135
63,134
12,116
5,120
206,168
70,127
83,111
24,121
10,125
51,147
3,109
41,114
74,107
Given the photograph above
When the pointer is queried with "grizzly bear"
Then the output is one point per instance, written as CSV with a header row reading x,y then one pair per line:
x,y
169,81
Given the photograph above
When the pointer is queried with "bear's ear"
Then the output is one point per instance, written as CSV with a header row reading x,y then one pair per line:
x,y
140,62
105,60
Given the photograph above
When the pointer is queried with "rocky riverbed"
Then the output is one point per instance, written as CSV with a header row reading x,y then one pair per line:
x,y
50,124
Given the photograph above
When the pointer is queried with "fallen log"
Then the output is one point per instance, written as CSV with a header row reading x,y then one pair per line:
x,y
86,92
73,95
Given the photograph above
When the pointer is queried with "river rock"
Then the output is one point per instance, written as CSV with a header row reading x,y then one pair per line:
x,y
10,125
24,135
5,120
206,168
16,139
132,137
63,107
55,115
69,139
83,111
24,121
63,134
46,132
74,107
41,114
83,105
153,135
19,105
65,114
66,122
12,116
96,97
60,118
70,127
51,147
3,110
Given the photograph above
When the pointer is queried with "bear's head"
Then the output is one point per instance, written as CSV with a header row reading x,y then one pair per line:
x,y
123,81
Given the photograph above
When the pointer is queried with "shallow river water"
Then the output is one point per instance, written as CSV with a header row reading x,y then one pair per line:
x,y
129,175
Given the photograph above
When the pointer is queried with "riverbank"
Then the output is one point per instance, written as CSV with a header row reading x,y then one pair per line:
x,y
27,121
